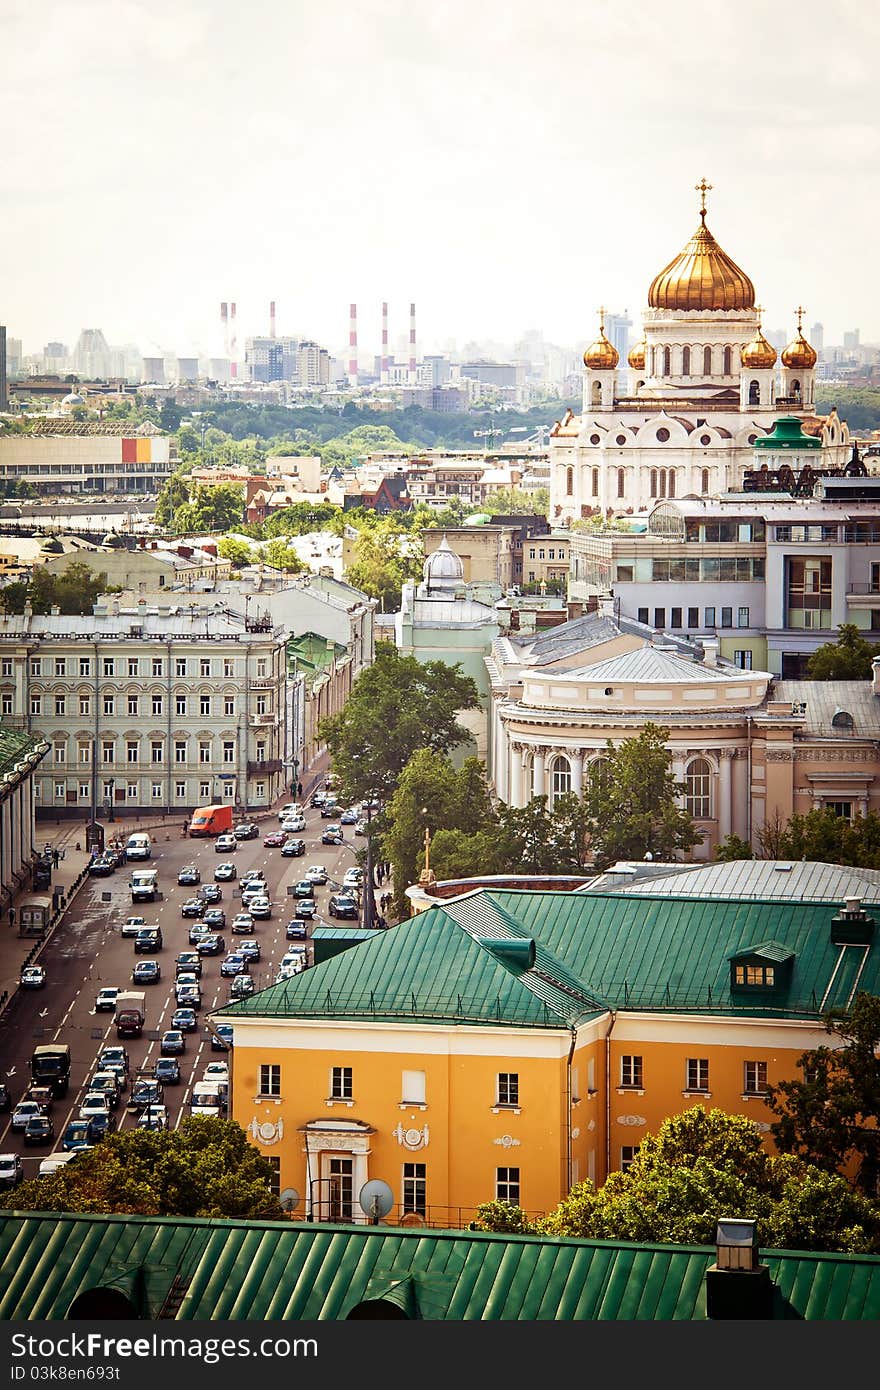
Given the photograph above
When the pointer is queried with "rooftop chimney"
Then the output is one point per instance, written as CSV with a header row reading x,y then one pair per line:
x,y
852,926
711,647
737,1285
875,675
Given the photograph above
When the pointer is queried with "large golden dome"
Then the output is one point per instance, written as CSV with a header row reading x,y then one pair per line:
x,y
758,354
702,276
636,357
601,356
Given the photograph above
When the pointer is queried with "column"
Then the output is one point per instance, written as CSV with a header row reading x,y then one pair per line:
x,y
360,1175
741,795
516,767
724,817
577,771
539,781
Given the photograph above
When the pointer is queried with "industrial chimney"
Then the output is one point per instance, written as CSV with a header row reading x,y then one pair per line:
x,y
233,342
353,346
272,318
384,364
224,324
412,342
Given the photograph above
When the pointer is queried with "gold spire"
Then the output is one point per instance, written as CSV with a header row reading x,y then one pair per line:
x,y
702,276
601,356
758,354
799,354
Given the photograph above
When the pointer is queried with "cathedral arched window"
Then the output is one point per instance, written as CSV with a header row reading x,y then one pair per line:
x,y
596,771
653,362
686,361
569,481
796,389
560,778
697,784
754,393
670,491
597,393
621,483
727,360
667,361
704,481
595,482
653,482
662,482
707,361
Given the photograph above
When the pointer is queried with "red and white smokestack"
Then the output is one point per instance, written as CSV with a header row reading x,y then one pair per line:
x,y
412,341
224,324
233,342
272,318
353,346
385,362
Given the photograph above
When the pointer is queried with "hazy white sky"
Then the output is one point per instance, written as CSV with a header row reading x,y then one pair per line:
x,y
505,164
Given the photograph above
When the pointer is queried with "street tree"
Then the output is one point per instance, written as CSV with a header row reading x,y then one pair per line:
x,y
278,555
633,802
173,494
205,1168
239,552
211,507
72,590
386,555
847,659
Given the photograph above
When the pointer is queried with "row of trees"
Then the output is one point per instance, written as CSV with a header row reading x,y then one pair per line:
x,y
74,590
819,836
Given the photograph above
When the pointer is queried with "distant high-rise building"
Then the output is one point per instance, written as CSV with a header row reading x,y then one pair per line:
x,y
14,359
91,356
776,337
4,397
851,339
287,359
817,336
617,328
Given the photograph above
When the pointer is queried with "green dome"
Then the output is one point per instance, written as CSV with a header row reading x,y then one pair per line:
x,y
478,519
787,434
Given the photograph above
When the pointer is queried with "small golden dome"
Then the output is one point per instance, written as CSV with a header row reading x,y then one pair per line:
x,y
636,357
601,356
758,354
799,353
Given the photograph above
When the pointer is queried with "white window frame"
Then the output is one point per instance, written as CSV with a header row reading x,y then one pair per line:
x,y
696,1076
632,1072
269,1078
341,1083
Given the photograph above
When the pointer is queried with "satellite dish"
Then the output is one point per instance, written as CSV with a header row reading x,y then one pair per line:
x,y
376,1199
289,1199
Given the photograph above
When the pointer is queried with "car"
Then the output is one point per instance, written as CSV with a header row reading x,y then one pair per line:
x,y
187,977
186,1020
249,875
5,1099
330,807
304,889
76,1136
99,1127
108,1082
318,797
11,1170
242,987
214,917
220,1070
211,945
316,873
332,835
247,831
189,876
24,1111
342,905
102,867
188,997
293,824
146,972
234,964
39,1130
116,855
296,931
145,1091
188,961
242,924
292,849
290,808
274,839
132,925
211,893
224,873
148,939
105,1001
153,1117
353,878
197,932
260,908
167,1071
360,827
192,907
115,1059
94,1103
224,843
173,1043
32,977
221,1038
295,955
41,1094
257,888
249,948
349,816
287,972
305,909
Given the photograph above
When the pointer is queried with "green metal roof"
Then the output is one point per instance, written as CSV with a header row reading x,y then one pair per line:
x,y
767,950
265,1270
16,746
593,952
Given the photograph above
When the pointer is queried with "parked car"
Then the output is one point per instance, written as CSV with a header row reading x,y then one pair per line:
x,y
316,873
101,867
274,839
296,931
173,1043
292,849
242,987
11,1170
146,972
167,1071
131,926
342,905
260,908
188,961
224,843
211,893
221,1038
214,917
360,827
224,873
106,999
189,876
305,909
333,835
234,964
242,924
249,948
247,830
349,816
24,1111
192,907
39,1130
211,945
186,1020
32,977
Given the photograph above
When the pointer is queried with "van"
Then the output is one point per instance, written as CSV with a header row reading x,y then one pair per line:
x,y
139,846
210,820
144,885
206,1099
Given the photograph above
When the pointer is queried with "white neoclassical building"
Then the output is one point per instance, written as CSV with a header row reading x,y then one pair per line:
x,y
703,384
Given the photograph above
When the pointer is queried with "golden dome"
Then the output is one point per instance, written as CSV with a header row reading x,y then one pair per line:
x,y
799,353
636,357
601,356
702,276
758,354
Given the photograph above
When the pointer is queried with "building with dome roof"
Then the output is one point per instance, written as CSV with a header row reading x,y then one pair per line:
x,y
699,389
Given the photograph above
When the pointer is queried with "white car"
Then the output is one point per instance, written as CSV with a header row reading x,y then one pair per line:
x,y
353,878
94,1103
106,999
295,955
243,922
293,823
316,873
257,888
220,1070
132,925
287,972
153,1117
260,907
292,809
24,1111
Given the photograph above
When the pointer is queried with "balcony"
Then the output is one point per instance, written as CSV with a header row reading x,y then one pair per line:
x,y
268,765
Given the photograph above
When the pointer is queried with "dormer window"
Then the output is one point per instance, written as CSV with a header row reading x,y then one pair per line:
x,y
754,975
761,968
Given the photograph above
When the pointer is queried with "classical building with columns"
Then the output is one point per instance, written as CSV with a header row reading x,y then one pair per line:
x,y
700,389
19,755
749,752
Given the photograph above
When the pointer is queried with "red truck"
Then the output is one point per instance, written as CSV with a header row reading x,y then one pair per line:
x,y
210,820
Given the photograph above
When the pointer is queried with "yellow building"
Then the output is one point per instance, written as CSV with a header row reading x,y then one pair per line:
x,y
507,1044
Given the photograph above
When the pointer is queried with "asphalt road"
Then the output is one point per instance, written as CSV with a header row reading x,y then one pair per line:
x,y
88,952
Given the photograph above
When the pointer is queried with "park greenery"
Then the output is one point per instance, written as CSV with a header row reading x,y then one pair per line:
x,y
699,1167
73,590
205,1168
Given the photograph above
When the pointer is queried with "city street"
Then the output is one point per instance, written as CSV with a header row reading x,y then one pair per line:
x,y
88,953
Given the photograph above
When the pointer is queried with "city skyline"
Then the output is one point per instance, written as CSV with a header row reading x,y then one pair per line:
x,y
500,170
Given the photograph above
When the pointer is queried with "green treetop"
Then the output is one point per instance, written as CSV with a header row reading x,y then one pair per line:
x,y
847,659
633,802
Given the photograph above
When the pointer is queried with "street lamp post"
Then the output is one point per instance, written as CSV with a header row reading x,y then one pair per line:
x,y
111,783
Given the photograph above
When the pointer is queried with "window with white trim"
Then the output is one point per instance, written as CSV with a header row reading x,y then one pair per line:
x,y
631,1071
109,704
507,1187
85,704
60,752
205,706
61,791
697,783
261,704
228,668
180,704
60,705
697,1077
228,751
156,666
204,751
36,666
627,1154
180,790
36,704
7,704
261,667
133,705
180,750
340,1083
85,665
157,751
84,752
109,666
229,704
133,666
205,666
754,1078
270,1079
156,791
508,1088
157,704
6,666
131,791
261,790
414,1195
204,789
60,666
108,751
180,666
83,791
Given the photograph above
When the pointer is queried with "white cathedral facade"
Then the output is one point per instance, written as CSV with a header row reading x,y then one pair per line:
x,y
703,384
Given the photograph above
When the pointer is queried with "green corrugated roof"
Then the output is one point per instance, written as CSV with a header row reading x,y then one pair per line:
x,y
264,1270
15,746
767,950
593,952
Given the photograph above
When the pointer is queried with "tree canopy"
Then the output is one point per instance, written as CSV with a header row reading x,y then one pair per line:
x,y
278,555
386,555
633,802
396,706
73,590
819,836
847,659
207,1167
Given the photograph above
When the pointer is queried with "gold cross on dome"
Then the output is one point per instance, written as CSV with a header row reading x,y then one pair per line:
x,y
703,188
800,311
601,311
